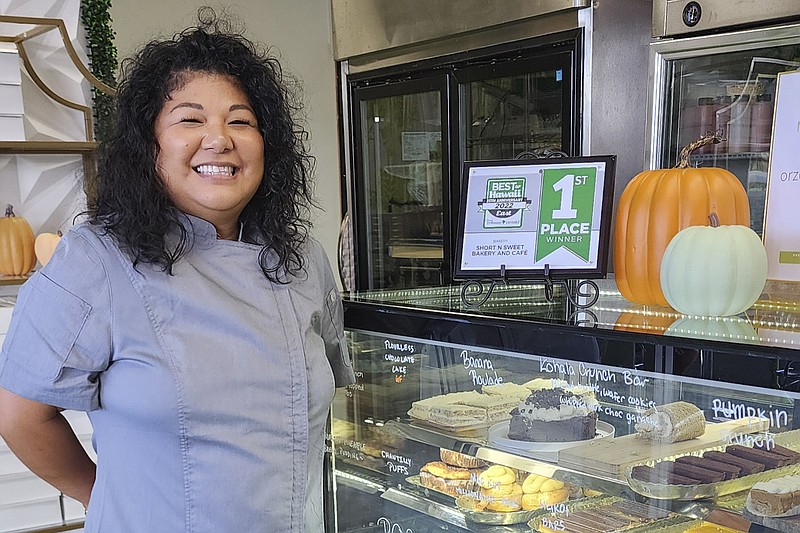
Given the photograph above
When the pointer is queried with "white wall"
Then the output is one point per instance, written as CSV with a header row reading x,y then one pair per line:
x,y
300,32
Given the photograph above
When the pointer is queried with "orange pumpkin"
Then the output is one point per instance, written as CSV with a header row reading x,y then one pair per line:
x,y
17,256
642,322
656,205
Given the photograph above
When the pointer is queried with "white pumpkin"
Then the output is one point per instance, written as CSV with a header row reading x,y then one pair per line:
x,y
713,270
729,328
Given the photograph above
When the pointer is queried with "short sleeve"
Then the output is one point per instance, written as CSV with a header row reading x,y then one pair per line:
x,y
59,337
333,323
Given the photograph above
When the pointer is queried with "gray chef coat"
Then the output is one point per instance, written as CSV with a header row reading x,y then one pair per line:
x,y
208,390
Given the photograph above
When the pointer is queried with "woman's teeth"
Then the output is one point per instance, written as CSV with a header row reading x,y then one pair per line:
x,y
215,170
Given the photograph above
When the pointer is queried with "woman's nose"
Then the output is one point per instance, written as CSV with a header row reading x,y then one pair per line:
x,y
217,139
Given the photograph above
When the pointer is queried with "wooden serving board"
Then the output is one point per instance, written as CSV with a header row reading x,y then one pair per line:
x,y
610,457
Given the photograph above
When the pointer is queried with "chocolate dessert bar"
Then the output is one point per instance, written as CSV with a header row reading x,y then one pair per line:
x,y
730,471
781,450
641,511
702,475
767,458
663,477
747,466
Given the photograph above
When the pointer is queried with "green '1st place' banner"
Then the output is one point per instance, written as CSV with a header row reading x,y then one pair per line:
x,y
566,211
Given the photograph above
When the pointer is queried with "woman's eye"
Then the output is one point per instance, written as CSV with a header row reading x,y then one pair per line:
x,y
192,120
242,122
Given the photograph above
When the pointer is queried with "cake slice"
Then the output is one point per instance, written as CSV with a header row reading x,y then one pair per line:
x,y
776,497
518,392
496,408
457,415
791,455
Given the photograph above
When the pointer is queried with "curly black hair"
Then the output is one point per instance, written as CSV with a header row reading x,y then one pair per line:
x,y
131,202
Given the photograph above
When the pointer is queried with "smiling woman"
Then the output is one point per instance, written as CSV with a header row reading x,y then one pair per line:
x,y
191,316
211,156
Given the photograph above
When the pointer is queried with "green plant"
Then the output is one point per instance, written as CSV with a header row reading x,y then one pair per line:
x,y
102,60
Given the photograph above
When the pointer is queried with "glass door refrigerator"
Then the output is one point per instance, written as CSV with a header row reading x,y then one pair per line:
x,y
720,79
413,126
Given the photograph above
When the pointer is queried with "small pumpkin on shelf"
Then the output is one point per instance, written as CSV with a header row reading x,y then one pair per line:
x,y
714,270
44,246
17,256
656,205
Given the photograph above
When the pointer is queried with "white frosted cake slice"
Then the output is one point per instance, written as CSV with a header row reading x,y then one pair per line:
x,y
457,415
520,392
496,408
544,383
775,497
422,408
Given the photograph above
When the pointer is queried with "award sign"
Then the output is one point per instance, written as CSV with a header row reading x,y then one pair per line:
x,y
783,183
527,217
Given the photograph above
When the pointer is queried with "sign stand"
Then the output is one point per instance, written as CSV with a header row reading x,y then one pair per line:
x,y
574,289
535,221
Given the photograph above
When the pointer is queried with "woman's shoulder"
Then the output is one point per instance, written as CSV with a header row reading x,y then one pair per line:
x,y
82,246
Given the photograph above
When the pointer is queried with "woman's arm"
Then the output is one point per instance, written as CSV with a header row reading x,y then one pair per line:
x,y
45,442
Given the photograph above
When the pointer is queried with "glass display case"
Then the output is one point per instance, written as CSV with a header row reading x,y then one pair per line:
x,y
532,415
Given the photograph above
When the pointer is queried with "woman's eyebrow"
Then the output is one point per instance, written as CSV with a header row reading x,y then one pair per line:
x,y
186,104
246,107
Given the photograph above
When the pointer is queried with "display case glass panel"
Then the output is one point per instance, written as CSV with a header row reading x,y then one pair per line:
x,y
400,192
510,116
446,435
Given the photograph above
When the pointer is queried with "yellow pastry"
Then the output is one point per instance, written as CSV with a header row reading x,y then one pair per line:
x,y
551,485
507,503
531,501
496,475
533,483
554,496
498,491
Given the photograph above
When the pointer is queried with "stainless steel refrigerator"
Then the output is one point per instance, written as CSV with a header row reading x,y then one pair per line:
x,y
427,85
713,67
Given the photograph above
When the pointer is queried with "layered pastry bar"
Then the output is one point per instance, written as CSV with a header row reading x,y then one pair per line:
x,y
730,471
607,518
776,497
747,467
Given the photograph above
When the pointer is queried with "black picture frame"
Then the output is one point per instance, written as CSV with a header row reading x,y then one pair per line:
x,y
478,173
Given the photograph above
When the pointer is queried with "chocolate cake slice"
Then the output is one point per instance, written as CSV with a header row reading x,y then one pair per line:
x,y
767,458
747,466
730,471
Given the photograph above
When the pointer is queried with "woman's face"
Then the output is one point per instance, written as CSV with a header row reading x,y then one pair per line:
x,y
211,156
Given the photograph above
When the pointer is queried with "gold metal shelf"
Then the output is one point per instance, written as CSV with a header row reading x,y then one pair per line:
x,y
47,147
